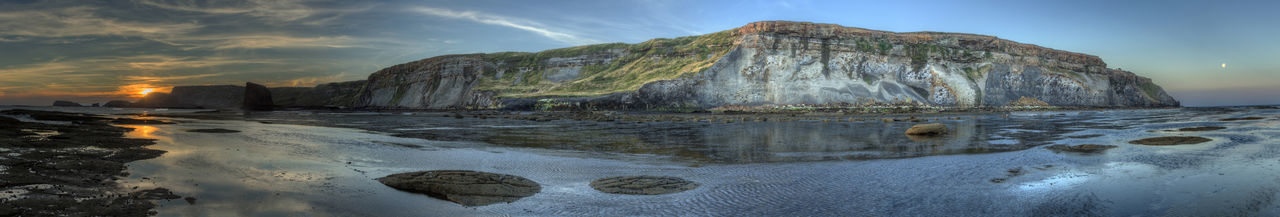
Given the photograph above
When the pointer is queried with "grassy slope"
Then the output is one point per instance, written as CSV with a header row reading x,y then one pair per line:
x,y
653,60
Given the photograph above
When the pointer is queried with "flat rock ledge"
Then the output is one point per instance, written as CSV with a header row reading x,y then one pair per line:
x,y
1171,140
469,188
643,185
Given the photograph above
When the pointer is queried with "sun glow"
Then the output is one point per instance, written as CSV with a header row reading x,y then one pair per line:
x,y
141,90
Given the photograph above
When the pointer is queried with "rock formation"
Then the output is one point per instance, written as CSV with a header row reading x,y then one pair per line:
x,y
61,103
767,63
339,94
257,97
469,188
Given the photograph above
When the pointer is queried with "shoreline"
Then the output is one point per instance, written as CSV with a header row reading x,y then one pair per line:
x,y
71,168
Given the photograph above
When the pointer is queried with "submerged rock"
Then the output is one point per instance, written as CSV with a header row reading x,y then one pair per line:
x,y
1171,140
927,129
1085,148
469,188
214,130
643,185
1243,119
1201,128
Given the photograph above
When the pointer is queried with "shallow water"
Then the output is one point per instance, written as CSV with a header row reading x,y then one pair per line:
x,y
745,169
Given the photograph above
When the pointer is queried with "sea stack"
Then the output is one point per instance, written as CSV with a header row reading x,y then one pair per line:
x,y
257,97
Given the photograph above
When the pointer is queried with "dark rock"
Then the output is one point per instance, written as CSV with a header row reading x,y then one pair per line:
x,y
642,185
61,103
1171,140
469,188
1085,136
214,130
1085,148
257,97
927,130
190,200
118,104
1201,128
154,194
1243,119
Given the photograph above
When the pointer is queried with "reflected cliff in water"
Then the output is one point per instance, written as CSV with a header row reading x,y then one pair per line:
x,y
743,139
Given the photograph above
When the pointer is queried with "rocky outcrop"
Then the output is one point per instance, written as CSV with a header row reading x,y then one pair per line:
x,y
61,103
643,185
469,188
257,97
769,63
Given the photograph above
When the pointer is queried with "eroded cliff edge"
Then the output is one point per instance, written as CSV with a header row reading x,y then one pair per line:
x,y
767,63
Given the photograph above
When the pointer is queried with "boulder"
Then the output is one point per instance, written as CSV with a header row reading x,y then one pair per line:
x,y
927,130
61,103
257,97
469,188
643,185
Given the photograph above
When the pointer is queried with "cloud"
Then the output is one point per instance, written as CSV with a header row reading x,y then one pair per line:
x,y
276,11
92,74
81,21
521,24
279,41
170,78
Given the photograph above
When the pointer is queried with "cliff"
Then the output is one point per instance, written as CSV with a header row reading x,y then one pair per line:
x,y
767,63
339,94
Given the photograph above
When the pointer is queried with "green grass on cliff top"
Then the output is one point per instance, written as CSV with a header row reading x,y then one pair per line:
x,y
653,60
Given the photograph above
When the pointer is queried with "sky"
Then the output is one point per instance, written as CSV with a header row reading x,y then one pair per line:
x,y
1204,53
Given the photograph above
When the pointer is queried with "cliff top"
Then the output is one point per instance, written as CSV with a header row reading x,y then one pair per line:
x,y
956,40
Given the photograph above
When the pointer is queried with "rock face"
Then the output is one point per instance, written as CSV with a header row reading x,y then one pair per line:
x,y
435,83
340,94
469,188
642,185
213,96
768,63
257,97
61,103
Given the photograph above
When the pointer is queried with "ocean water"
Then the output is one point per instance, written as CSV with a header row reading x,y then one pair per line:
x,y
323,164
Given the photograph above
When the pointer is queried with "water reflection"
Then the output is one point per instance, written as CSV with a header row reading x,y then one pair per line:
x,y
818,139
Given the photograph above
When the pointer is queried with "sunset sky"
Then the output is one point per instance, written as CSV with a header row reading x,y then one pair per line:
x,y
1203,53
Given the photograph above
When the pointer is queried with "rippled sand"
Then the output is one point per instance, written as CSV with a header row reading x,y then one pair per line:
x,y
807,168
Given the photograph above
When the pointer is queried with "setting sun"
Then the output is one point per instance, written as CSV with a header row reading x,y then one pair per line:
x,y
146,91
